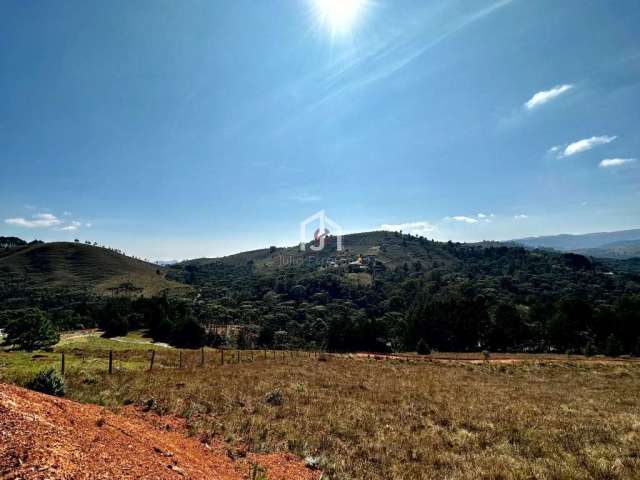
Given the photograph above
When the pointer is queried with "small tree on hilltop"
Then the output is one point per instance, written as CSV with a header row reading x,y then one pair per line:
x,y
31,331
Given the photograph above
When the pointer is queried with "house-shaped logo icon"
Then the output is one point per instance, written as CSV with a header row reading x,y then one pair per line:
x,y
324,227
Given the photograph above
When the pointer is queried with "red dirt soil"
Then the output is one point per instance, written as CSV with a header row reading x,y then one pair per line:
x,y
44,437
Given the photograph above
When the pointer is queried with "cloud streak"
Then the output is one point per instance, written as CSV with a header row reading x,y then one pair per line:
x,y
414,228
580,146
615,162
40,220
545,96
305,198
463,218
45,220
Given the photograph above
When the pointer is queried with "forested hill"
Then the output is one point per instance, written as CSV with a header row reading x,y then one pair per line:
x,y
383,291
387,290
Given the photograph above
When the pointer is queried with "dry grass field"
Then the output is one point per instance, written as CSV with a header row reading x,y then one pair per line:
x,y
359,418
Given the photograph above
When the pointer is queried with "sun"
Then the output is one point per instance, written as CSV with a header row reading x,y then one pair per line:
x,y
339,16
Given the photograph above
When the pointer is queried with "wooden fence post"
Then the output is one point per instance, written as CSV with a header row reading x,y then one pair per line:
x,y
180,359
62,364
238,355
265,353
153,357
221,356
110,361
202,357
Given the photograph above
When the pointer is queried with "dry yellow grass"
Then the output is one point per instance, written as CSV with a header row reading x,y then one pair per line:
x,y
367,419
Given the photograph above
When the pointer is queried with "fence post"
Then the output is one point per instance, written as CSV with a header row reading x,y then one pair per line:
x,y
110,361
265,353
180,359
62,364
221,356
153,357
238,355
202,357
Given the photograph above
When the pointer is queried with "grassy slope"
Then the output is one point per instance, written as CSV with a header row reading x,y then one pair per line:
x,y
387,419
71,264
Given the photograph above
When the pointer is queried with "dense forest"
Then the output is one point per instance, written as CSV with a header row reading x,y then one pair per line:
x,y
384,292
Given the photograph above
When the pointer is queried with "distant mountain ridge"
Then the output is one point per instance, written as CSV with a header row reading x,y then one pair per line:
x,y
617,244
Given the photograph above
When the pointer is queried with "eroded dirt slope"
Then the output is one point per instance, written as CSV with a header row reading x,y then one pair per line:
x,y
44,437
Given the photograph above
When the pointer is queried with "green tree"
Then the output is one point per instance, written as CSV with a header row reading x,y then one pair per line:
x,y
114,317
422,348
507,329
188,333
31,331
613,347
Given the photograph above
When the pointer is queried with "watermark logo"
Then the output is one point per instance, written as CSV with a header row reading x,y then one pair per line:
x,y
322,227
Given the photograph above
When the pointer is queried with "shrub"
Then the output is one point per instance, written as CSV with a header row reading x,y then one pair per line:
x,y
274,398
613,347
590,349
49,382
422,348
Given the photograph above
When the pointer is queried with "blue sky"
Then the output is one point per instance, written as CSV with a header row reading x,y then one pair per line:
x,y
202,128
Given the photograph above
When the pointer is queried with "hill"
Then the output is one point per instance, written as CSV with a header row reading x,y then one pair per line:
x,y
389,248
621,249
386,291
618,244
76,265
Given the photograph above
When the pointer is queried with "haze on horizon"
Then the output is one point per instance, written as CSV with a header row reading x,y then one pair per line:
x,y
189,129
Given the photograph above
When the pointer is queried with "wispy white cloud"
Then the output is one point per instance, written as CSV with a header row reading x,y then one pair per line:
x,y
544,96
463,218
581,145
46,220
521,216
305,198
486,218
615,162
414,228
40,220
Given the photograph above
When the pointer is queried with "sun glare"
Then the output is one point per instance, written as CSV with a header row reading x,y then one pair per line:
x,y
339,16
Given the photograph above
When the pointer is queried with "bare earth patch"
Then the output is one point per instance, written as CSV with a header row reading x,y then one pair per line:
x,y
48,437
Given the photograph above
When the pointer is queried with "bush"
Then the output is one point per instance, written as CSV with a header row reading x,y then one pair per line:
x,y
613,347
49,382
422,348
274,398
31,330
590,349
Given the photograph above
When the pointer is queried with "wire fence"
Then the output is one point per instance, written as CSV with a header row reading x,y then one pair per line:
x,y
178,358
